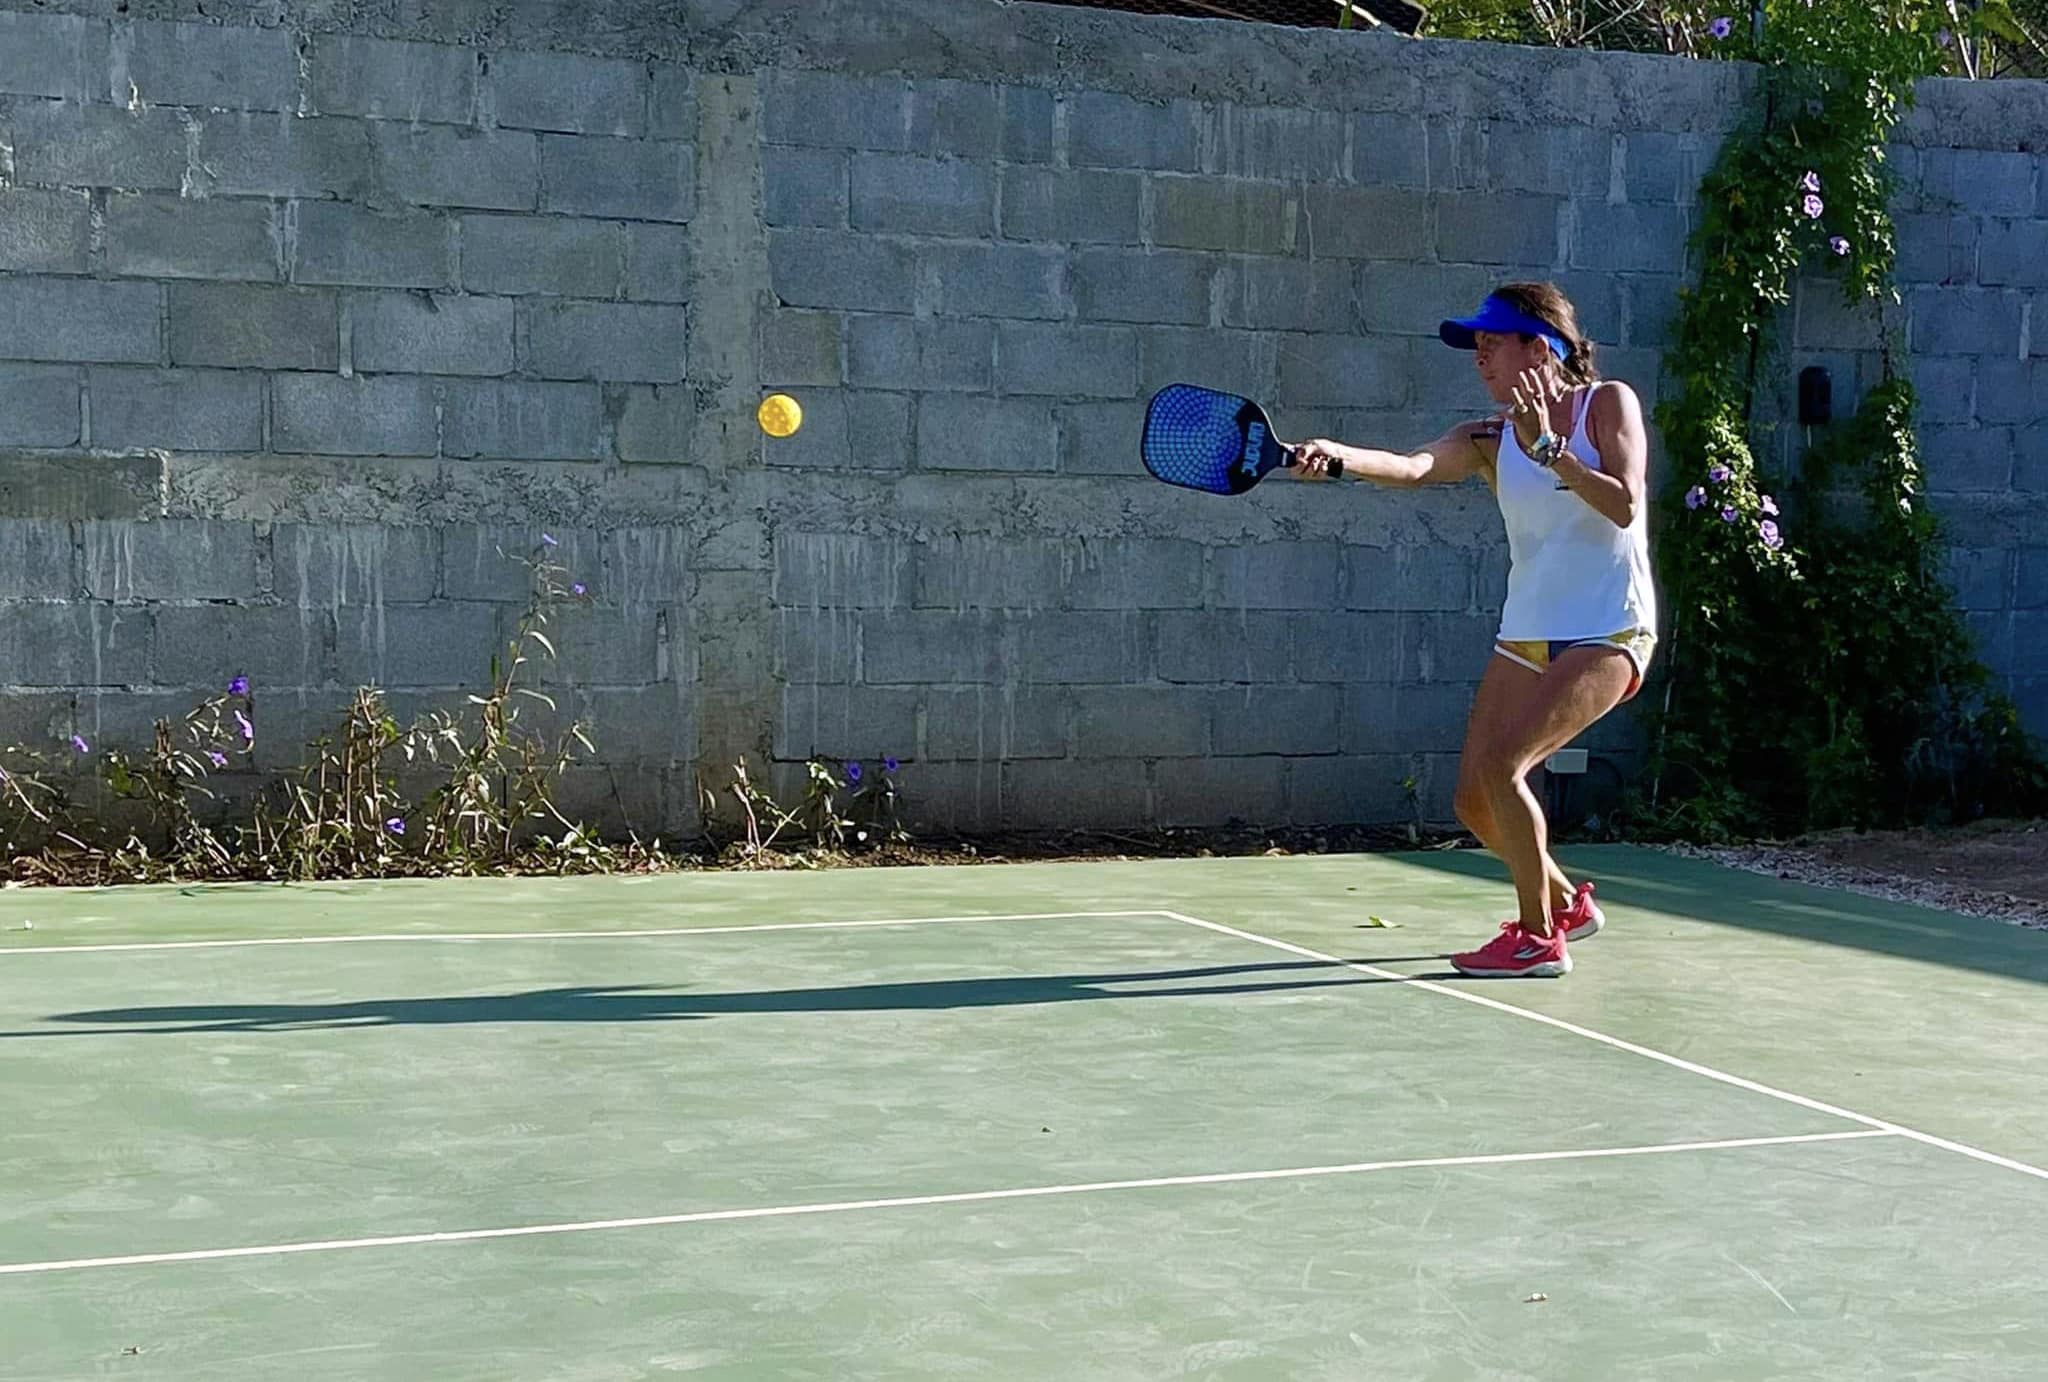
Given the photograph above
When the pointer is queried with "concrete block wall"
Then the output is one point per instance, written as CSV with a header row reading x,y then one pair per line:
x,y
305,316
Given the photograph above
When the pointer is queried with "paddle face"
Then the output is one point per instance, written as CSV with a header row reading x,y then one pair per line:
x,y
1206,440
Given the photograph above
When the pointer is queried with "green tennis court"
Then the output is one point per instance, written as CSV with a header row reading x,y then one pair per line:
x,y
1189,1118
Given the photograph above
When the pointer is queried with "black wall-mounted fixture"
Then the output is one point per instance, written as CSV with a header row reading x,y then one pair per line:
x,y
1816,396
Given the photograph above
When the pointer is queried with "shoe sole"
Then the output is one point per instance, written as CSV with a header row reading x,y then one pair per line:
x,y
1548,969
1586,932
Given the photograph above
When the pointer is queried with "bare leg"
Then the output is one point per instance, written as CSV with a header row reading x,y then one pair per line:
x,y
1503,690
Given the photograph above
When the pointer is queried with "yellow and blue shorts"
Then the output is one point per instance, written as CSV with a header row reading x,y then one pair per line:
x,y
1537,654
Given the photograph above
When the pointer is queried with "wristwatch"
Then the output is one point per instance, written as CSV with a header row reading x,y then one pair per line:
x,y
1547,449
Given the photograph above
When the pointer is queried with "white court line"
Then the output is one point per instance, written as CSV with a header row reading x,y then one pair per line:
x,y
911,1201
1879,1124
453,937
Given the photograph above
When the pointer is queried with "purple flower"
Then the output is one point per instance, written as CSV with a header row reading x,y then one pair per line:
x,y
1719,474
1728,514
238,687
1811,182
889,765
576,589
1812,206
1769,530
248,730
1942,37
1721,27
396,825
80,744
1769,505
853,772
1839,245
220,760
547,540
1695,497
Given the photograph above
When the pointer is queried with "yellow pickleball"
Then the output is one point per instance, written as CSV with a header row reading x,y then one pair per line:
x,y
779,415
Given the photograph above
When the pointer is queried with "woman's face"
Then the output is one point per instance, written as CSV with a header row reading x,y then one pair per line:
x,y
1500,358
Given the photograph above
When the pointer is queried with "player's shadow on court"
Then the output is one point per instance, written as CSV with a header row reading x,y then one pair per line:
x,y
658,1003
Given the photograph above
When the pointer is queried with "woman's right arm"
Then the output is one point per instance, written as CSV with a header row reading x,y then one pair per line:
x,y
1457,455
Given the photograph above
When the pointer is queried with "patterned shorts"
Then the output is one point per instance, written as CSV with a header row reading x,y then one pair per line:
x,y
1537,654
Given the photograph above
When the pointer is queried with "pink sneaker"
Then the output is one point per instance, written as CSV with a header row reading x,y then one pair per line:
x,y
1517,953
1583,919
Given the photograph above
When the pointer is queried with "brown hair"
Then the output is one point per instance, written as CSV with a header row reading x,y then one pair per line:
x,y
1547,302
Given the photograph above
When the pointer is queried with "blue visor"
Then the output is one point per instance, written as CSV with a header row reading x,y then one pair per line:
x,y
1498,314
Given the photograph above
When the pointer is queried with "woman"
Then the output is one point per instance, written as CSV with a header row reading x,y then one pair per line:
x,y
1579,624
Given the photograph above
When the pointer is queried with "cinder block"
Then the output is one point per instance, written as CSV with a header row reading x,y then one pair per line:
x,y
422,83
1027,116
443,165
1111,131
2008,391
1277,143
331,566
1982,182
845,722
1083,647
1409,577
823,268
657,263
325,414
1145,286
940,798
1100,438
1018,281
58,55
1215,214
1944,386
1402,718
1630,239
1349,790
1981,578
224,66
922,196
841,571
1049,793
441,644
826,110
284,156
1411,299
2029,643
1962,321
66,144
1343,371
954,119
1239,361
1449,647
972,432
253,327
1967,459
277,649
496,563
1071,206
75,645
2014,254
555,255
1218,791
803,347
848,430
177,237
805,187
79,319
675,103
980,572
36,561
660,566
1389,150
1827,320
1348,647
637,342
989,724
2030,578
169,559
655,424
341,244
1661,168
1066,361
1652,306
44,230
569,92
1135,573
912,647
1503,228
432,333
522,420
1140,722
1253,647
1276,719
634,179
177,410
921,353
1559,160
605,645
820,646
1367,223
39,405
1935,247
1291,295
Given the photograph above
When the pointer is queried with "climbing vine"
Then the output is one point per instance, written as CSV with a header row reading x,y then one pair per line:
x,y
1820,672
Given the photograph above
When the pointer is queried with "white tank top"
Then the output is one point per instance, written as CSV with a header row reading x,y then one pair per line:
x,y
1571,573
